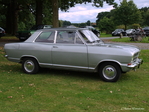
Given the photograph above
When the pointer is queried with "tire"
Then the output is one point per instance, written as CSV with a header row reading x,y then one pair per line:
x,y
110,72
30,66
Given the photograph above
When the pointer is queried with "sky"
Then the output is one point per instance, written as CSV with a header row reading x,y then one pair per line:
x,y
81,13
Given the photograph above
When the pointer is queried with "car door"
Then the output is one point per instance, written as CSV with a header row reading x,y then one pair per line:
x,y
43,46
69,51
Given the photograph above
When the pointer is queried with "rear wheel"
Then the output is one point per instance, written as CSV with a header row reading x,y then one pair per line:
x,y
110,72
30,66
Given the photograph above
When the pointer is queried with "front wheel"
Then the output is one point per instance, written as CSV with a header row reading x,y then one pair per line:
x,y
30,66
110,72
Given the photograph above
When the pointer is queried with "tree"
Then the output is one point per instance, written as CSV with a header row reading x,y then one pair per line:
x,y
66,23
11,15
55,16
127,13
101,16
39,11
88,23
66,4
12,9
145,16
106,24
82,25
26,11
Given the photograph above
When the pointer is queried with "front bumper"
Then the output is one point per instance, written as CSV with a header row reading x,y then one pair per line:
x,y
136,64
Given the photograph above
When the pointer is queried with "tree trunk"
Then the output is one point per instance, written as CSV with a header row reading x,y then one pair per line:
x,y
9,19
39,9
12,18
55,16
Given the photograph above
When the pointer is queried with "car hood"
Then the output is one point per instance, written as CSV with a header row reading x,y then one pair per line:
x,y
126,47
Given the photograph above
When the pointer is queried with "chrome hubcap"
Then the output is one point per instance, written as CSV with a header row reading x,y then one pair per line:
x,y
29,66
109,72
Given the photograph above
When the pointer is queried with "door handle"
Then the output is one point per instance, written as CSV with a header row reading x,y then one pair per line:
x,y
55,47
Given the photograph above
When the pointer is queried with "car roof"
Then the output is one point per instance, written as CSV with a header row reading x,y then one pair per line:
x,y
53,29
61,29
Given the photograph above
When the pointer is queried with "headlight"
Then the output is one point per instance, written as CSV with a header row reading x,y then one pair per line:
x,y
135,57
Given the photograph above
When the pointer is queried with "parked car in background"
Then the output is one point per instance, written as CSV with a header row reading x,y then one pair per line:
x,y
130,32
2,32
117,32
146,30
23,35
73,49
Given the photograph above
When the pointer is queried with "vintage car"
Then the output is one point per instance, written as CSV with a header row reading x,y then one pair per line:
x,y
118,32
2,32
73,49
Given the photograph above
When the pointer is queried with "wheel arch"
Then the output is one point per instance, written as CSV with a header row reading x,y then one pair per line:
x,y
106,61
28,56
109,71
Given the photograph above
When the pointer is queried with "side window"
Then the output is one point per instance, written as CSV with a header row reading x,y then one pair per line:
x,y
65,37
68,37
46,37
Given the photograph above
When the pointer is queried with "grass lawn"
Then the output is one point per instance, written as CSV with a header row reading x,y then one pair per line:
x,y
66,91
127,39
105,35
8,38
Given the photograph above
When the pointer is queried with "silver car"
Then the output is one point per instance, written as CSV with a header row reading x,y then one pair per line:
x,y
73,49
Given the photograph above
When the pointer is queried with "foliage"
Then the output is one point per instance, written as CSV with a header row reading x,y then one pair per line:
x,y
127,13
146,22
120,27
102,15
66,23
106,24
88,23
145,16
65,91
135,26
22,14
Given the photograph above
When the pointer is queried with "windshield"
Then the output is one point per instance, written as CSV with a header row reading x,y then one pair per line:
x,y
89,36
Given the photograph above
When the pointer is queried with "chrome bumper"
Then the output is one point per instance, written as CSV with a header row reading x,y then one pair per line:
x,y
136,64
6,56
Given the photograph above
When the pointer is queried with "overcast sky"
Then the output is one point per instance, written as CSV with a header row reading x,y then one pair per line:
x,y
83,12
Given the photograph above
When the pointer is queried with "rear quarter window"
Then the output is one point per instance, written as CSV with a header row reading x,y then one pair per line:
x,y
46,37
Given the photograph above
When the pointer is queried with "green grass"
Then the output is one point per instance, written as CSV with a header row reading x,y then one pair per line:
x,y
127,39
8,38
105,35
66,91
